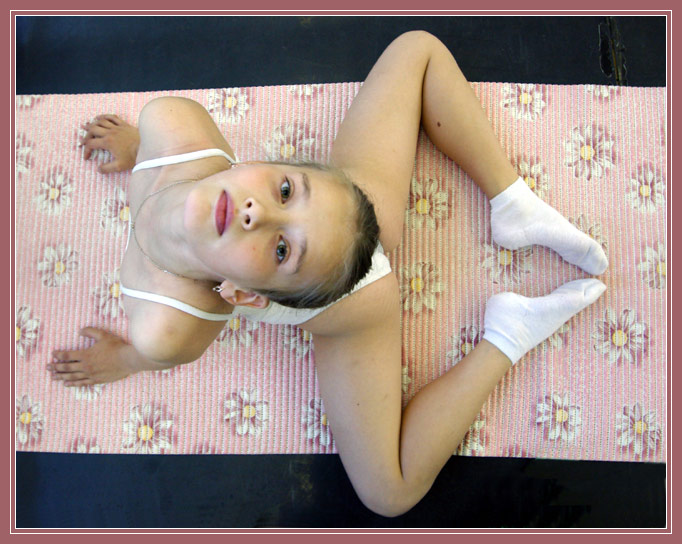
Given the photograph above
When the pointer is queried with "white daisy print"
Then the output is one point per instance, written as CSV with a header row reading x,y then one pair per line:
x,y
238,331
57,266
427,205
405,378
506,265
601,91
653,268
148,430
300,342
28,420
621,338
54,193
305,91
108,295
559,417
647,186
26,330
26,101
524,101
294,142
533,173
474,441
227,105
420,287
593,230
249,415
23,160
464,343
85,445
87,392
638,430
317,424
115,213
590,152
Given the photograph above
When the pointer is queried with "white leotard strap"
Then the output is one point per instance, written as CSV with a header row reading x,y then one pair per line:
x,y
184,157
174,303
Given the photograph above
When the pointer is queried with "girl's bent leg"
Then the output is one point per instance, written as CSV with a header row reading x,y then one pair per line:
x,y
455,121
436,420
416,80
392,457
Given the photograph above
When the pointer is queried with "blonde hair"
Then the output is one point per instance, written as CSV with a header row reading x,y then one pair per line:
x,y
354,263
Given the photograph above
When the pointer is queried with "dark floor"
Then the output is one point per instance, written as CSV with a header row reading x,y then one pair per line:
x,y
95,54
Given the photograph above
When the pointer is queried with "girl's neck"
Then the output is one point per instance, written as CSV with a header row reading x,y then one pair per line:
x,y
161,233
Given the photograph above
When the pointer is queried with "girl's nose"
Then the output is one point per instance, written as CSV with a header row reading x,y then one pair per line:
x,y
252,214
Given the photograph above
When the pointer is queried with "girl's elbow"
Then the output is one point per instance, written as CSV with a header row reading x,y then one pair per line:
x,y
391,502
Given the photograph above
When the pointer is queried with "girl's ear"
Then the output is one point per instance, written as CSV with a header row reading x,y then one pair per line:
x,y
238,297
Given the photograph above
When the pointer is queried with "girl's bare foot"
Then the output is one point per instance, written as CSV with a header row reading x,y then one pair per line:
x,y
112,134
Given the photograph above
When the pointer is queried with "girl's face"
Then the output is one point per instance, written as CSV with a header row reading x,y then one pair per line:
x,y
265,226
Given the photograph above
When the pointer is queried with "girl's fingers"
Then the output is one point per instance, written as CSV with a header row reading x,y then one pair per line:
x,y
96,131
92,332
79,383
91,145
66,356
70,376
66,367
114,119
108,168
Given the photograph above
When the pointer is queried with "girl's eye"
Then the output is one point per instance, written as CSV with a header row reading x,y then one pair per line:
x,y
282,250
285,190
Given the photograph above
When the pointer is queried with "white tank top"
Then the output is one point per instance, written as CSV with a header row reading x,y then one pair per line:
x,y
273,313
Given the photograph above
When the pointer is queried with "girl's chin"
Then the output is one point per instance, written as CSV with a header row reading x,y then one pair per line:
x,y
198,214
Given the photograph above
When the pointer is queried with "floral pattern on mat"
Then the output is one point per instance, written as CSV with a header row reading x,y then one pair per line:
x,y
248,413
148,430
595,389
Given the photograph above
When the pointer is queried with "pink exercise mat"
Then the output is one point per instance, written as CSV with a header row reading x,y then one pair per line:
x,y
595,390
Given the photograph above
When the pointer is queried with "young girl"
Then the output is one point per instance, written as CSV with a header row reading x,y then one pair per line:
x,y
303,244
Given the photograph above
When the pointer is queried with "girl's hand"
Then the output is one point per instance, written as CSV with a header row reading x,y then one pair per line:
x,y
112,134
107,360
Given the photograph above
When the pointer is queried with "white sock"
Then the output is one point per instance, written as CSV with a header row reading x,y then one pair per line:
x,y
516,324
519,218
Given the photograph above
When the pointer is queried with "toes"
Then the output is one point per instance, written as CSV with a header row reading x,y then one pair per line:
x,y
589,289
594,290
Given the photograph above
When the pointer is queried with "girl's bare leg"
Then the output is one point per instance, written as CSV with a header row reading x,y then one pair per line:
x,y
434,91
393,456
453,118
